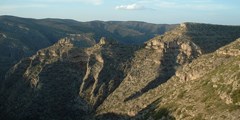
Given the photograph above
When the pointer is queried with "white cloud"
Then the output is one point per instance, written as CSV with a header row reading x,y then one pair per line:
x,y
130,7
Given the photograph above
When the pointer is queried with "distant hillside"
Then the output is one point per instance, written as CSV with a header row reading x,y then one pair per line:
x,y
211,37
190,72
22,37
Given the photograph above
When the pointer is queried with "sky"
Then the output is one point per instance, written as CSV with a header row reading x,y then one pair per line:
x,y
154,11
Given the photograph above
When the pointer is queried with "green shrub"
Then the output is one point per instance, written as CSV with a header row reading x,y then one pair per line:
x,y
181,94
236,96
163,112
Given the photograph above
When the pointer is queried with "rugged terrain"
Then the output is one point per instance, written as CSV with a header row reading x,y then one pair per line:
x,y
207,88
23,37
190,72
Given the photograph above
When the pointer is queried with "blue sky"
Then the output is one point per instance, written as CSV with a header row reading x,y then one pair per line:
x,y
154,11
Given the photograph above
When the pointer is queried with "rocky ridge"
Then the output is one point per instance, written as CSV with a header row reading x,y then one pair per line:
x,y
114,81
162,56
23,37
80,70
208,87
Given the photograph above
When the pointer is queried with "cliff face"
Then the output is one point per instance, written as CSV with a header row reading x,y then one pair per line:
x,y
170,76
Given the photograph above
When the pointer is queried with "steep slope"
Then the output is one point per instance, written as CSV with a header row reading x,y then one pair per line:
x,y
207,88
151,66
22,37
158,61
95,72
64,81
